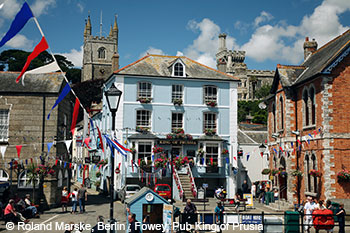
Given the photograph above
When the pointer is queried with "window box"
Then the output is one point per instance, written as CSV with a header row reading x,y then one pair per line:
x,y
211,103
142,129
210,132
177,102
144,100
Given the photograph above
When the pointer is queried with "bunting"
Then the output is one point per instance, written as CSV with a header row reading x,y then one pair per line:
x,y
68,143
2,151
63,94
41,47
18,23
100,137
49,145
19,148
52,67
75,115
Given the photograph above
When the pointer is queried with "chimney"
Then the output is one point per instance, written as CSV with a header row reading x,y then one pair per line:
x,y
309,47
222,39
115,62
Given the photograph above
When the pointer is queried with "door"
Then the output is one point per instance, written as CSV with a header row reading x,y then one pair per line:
x,y
152,214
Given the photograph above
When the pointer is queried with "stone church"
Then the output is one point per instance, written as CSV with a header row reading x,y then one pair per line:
x,y
232,62
101,55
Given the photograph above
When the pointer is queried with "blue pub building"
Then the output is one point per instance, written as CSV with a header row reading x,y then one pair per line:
x,y
186,109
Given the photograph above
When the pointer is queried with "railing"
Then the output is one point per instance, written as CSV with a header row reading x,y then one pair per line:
x,y
178,183
193,184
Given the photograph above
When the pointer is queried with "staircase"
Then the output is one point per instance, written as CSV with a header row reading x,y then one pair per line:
x,y
186,186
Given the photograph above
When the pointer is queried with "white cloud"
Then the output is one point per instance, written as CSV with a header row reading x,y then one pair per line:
x,y
10,9
271,41
152,50
20,42
75,56
204,47
263,17
179,53
80,7
42,6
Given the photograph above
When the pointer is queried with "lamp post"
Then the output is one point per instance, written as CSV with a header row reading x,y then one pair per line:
x,y
113,95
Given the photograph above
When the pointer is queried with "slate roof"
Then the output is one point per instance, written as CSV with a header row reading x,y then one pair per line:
x,y
314,65
34,83
142,192
161,66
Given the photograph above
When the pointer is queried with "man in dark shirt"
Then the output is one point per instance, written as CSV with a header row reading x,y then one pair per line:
x,y
190,212
82,198
341,218
245,187
133,227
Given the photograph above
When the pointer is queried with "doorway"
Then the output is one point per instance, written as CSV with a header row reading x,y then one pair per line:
x,y
152,214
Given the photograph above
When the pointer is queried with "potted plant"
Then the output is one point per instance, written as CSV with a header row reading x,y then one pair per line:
x,y
211,103
210,132
315,173
157,150
144,100
343,176
266,171
297,173
177,101
180,161
274,172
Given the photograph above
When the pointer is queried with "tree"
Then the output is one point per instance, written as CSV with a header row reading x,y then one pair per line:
x,y
262,92
251,107
14,60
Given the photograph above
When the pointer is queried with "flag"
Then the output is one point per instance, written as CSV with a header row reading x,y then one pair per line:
x,y
248,155
310,135
2,150
19,148
49,145
52,67
315,133
292,144
211,160
120,145
116,145
64,92
68,143
55,162
274,149
86,124
18,23
41,47
281,149
227,160
235,158
75,115
87,142
100,137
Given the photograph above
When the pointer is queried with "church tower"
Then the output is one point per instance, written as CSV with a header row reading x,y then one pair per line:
x,y
100,54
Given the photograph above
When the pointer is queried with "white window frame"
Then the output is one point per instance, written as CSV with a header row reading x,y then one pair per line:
x,y
147,93
177,124
208,124
4,124
179,62
23,178
178,92
140,123
4,176
146,155
208,154
210,96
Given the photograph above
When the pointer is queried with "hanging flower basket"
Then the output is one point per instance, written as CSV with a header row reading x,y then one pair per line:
x,y
315,173
179,133
157,150
161,162
297,173
283,173
224,152
180,161
266,171
274,172
343,176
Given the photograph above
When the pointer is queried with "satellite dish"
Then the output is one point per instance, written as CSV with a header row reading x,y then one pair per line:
x,y
262,105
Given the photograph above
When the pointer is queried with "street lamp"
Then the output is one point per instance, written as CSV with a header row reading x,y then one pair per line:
x,y
113,95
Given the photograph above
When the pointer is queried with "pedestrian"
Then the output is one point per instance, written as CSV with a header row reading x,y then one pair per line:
x,y
190,211
74,196
82,198
30,206
245,186
133,227
64,199
309,207
10,214
341,218
100,225
219,215
253,190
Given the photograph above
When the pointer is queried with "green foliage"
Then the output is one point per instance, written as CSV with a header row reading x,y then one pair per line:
x,y
14,60
263,91
252,107
89,91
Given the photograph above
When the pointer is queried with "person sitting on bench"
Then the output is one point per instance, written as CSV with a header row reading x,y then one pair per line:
x,y
10,215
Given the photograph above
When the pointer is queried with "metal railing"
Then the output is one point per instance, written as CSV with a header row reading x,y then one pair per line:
x,y
193,184
178,183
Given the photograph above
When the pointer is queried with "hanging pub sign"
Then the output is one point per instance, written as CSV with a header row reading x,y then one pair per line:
x,y
177,142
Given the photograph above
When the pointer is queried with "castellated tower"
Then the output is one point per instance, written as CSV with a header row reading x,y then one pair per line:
x,y
101,57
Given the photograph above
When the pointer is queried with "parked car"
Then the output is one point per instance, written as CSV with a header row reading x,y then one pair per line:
x,y
163,190
127,191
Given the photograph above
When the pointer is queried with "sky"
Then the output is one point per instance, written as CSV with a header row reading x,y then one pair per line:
x,y
271,32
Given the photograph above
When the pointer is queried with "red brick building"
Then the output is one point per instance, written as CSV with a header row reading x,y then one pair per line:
x,y
309,122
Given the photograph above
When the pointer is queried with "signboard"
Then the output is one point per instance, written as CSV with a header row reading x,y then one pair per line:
x,y
205,185
177,142
96,158
251,219
167,218
249,198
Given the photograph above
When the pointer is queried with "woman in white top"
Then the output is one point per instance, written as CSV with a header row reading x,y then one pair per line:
x,y
64,199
